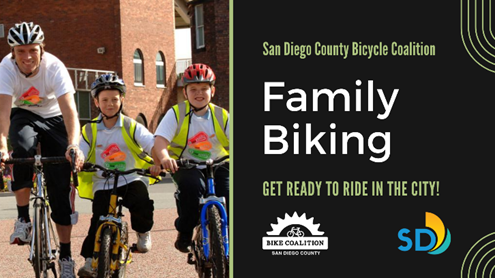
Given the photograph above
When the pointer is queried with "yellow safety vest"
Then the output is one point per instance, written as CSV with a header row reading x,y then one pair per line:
x,y
182,114
143,160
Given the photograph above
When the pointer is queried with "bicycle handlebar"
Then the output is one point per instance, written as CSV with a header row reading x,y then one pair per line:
x,y
32,160
188,162
48,160
91,167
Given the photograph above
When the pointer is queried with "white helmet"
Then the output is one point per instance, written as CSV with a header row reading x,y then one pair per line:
x,y
25,33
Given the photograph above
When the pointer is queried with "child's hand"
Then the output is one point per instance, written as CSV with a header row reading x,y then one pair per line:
x,y
155,170
4,155
170,165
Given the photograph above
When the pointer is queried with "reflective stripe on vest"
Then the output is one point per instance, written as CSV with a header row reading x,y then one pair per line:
x,y
182,115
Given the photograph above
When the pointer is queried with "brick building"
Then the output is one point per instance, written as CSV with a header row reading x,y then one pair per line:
x,y
133,38
210,42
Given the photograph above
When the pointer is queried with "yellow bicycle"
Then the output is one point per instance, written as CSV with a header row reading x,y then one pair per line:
x,y
112,252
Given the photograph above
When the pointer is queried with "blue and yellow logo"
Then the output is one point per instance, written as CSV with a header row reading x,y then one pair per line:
x,y
439,236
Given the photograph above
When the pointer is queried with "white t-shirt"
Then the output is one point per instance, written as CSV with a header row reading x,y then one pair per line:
x,y
38,93
202,143
111,151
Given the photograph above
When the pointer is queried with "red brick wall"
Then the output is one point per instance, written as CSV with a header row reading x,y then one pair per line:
x,y
216,51
75,29
148,26
72,32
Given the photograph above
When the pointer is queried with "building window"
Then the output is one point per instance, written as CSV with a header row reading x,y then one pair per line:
x,y
200,28
160,70
138,68
83,102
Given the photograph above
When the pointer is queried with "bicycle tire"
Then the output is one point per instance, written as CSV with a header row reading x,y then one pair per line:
x,y
40,254
124,239
203,266
36,259
217,253
197,252
105,253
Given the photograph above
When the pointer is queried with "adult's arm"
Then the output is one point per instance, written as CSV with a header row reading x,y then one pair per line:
x,y
71,121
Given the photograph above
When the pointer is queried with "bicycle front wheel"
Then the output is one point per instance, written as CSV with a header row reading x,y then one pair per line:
x,y
123,255
105,253
218,260
40,252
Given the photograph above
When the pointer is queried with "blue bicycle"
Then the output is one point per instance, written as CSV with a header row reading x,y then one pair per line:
x,y
210,242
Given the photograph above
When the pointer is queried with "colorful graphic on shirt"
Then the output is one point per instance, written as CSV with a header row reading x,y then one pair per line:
x,y
30,98
199,146
114,158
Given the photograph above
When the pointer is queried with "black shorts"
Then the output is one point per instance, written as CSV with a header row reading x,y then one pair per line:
x,y
26,130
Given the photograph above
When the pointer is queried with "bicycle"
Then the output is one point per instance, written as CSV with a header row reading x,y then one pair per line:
x,y
111,251
41,255
210,242
297,232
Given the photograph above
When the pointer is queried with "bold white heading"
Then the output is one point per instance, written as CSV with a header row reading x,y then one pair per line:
x,y
296,100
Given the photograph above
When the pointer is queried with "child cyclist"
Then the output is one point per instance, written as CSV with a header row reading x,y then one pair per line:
x,y
199,130
116,142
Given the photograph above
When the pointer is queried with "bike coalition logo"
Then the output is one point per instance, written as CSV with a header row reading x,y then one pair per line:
x,y
439,236
295,235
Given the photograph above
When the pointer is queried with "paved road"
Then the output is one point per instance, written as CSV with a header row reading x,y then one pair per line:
x,y
162,193
162,261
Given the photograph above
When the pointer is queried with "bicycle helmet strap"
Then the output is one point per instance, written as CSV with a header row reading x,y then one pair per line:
x,y
105,116
195,109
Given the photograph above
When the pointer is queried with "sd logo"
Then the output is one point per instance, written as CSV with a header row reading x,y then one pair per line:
x,y
439,236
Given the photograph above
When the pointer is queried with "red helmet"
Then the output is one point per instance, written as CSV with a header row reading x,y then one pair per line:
x,y
198,73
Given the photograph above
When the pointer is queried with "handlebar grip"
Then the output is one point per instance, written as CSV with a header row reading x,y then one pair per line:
x,y
162,174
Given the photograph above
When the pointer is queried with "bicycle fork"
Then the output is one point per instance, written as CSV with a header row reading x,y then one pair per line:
x,y
223,215
112,224
40,196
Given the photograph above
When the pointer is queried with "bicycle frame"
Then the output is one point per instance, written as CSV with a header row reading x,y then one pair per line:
x,y
40,194
113,220
41,207
210,199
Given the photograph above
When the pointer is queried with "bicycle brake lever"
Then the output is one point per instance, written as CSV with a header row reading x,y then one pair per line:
x,y
73,160
88,167
184,163
72,154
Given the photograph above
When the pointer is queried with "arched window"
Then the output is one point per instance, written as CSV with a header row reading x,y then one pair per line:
x,y
138,68
160,70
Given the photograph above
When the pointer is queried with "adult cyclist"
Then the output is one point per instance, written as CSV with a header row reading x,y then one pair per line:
x,y
37,105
